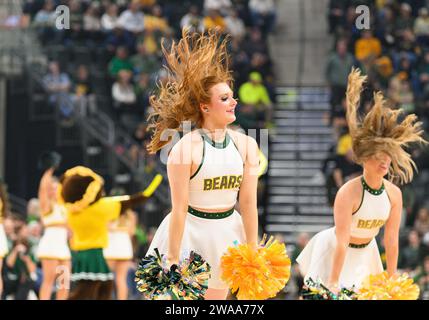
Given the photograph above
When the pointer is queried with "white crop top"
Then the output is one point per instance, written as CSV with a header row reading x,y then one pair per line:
x,y
57,216
372,214
217,180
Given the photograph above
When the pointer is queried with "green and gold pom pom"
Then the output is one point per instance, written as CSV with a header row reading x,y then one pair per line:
x,y
315,290
186,281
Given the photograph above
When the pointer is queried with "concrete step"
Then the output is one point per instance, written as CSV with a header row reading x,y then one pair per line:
x,y
283,199
305,130
307,191
286,164
294,114
313,147
309,210
300,219
302,173
301,122
291,138
308,228
295,182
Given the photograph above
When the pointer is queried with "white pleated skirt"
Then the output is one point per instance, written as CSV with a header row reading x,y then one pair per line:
x,y
120,246
53,244
210,238
316,260
3,242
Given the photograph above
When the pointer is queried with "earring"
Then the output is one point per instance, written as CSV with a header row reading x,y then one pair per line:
x,y
206,110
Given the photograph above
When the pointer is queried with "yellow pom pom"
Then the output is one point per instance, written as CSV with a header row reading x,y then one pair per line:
x,y
256,274
383,287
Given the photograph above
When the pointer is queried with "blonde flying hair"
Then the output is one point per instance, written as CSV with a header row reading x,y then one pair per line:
x,y
194,65
380,131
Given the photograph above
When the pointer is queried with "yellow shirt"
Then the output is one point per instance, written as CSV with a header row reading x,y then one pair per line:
x,y
367,47
90,226
210,23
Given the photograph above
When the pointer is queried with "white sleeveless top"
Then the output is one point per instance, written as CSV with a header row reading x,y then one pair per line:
x,y
372,214
217,180
57,216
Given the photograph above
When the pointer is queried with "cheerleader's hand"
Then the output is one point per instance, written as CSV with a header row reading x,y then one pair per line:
x,y
334,288
171,261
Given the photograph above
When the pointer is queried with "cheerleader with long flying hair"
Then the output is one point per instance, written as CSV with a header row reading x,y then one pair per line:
x,y
211,165
347,253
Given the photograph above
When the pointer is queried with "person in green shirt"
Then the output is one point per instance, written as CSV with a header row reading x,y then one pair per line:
x,y
120,62
19,272
254,94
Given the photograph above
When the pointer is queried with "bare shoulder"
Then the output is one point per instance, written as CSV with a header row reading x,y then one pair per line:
x,y
351,191
245,144
189,146
393,191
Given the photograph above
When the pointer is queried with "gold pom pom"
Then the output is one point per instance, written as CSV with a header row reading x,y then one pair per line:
x,y
384,287
256,273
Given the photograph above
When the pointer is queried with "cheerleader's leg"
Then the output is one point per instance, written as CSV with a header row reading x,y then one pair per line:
x,y
122,268
216,294
1,280
49,269
63,279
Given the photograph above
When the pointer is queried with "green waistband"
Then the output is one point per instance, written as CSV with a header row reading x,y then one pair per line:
x,y
359,246
210,215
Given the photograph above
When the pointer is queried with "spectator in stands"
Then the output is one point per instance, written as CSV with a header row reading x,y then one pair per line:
x,y
74,34
124,101
336,14
82,92
92,23
234,25
223,6
253,93
405,20
367,47
140,135
120,38
255,42
423,279
381,73
143,91
409,257
33,210
339,117
157,23
122,90
345,169
263,14
132,19
213,19
19,272
423,74
144,62
44,21
385,26
58,86
400,92
110,18
192,20
421,224
421,27
336,72
120,62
